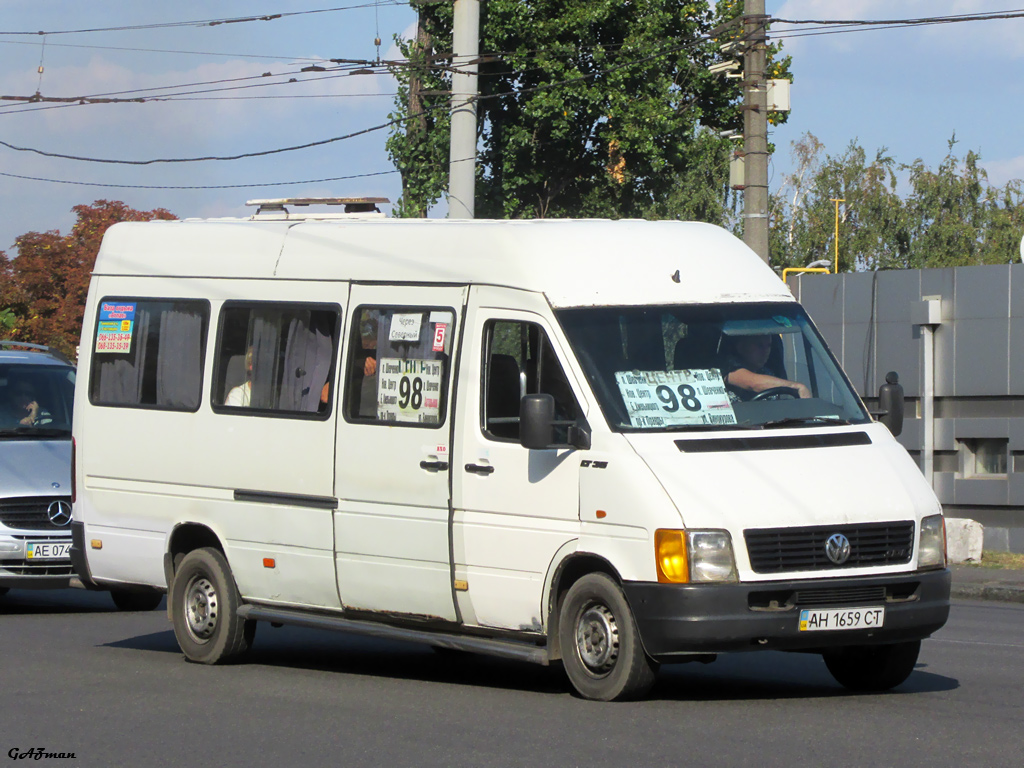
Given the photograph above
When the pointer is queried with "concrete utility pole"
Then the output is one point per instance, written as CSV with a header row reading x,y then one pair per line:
x,y
462,153
755,129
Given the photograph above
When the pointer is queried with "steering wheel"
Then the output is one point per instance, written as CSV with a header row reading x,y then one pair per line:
x,y
774,393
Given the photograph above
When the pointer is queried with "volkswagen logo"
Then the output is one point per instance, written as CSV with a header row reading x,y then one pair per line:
x,y
837,548
59,512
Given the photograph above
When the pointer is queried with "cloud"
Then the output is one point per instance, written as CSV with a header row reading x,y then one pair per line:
x,y
1002,171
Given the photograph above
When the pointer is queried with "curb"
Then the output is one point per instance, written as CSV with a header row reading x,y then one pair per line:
x,y
998,592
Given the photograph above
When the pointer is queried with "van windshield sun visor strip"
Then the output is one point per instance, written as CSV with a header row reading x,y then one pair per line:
x,y
773,443
287,499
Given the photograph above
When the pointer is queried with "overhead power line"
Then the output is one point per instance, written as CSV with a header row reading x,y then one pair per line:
x,y
166,50
206,22
444,106
953,19
816,27
209,186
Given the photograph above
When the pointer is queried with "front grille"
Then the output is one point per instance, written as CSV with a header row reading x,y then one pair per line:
x,y
839,596
30,513
778,550
847,594
36,568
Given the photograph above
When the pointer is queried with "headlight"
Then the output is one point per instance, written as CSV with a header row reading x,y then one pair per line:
x,y
697,557
931,547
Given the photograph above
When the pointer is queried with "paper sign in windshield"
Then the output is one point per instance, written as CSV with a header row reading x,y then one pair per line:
x,y
675,398
405,327
409,390
114,329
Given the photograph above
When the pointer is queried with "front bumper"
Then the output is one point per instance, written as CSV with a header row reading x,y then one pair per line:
x,y
679,620
18,571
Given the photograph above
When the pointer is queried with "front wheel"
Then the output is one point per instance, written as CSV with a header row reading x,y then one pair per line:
x,y
873,667
204,609
601,649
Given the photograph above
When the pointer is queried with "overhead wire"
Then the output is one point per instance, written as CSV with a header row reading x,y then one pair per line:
x,y
204,22
195,186
321,142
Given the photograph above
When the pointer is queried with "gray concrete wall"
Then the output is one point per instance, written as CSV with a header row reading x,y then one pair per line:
x,y
868,319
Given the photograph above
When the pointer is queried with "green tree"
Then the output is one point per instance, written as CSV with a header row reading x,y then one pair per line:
x,y
45,286
587,108
947,217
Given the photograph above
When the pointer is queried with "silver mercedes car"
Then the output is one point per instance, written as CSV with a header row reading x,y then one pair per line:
x,y
37,387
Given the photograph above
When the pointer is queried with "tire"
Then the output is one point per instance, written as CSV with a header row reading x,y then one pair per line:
x,y
204,604
136,601
873,667
601,649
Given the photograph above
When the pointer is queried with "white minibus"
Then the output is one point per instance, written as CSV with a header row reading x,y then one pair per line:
x,y
608,444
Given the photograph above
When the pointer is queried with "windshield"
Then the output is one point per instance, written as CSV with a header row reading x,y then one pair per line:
x,y
721,366
36,400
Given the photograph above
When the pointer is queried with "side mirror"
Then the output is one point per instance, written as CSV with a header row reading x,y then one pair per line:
x,y
536,421
890,403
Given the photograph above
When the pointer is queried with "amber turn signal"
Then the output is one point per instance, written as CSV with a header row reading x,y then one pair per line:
x,y
670,556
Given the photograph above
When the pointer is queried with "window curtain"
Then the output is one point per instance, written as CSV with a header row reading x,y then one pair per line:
x,y
265,335
121,378
179,360
307,363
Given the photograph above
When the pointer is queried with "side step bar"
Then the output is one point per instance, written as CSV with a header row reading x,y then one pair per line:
x,y
506,649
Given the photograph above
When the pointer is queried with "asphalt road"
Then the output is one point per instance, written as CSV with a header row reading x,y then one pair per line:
x,y
77,676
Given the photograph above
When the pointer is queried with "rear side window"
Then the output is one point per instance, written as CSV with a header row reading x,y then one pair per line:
x,y
275,359
398,365
148,353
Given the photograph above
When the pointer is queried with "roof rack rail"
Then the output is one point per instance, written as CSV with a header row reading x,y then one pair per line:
x,y
352,204
38,347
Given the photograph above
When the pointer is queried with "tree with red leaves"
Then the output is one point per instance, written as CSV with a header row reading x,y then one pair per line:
x,y
43,289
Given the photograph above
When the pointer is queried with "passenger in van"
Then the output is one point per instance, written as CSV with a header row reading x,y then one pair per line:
x,y
365,369
22,406
749,370
240,396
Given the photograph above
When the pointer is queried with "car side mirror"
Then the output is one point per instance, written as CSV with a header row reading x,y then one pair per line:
x,y
890,403
536,421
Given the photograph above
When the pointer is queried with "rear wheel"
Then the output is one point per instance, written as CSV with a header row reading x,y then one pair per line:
x,y
136,601
204,605
873,667
601,649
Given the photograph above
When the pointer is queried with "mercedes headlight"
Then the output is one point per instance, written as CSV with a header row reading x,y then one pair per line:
x,y
931,545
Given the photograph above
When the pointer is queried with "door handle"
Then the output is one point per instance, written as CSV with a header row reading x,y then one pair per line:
x,y
434,466
479,469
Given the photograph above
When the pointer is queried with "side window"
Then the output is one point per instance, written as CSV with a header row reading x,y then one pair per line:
x,y
148,353
519,360
398,365
275,359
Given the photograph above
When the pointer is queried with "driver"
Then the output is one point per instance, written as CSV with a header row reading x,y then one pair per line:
x,y
748,373
23,409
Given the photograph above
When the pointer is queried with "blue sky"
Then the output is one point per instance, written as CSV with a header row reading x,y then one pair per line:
x,y
906,89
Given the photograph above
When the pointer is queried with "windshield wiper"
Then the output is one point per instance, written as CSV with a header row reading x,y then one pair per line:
x,y
790,420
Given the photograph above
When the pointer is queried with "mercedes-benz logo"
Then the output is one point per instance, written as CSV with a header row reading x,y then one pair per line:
x,y
837,548
59,512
